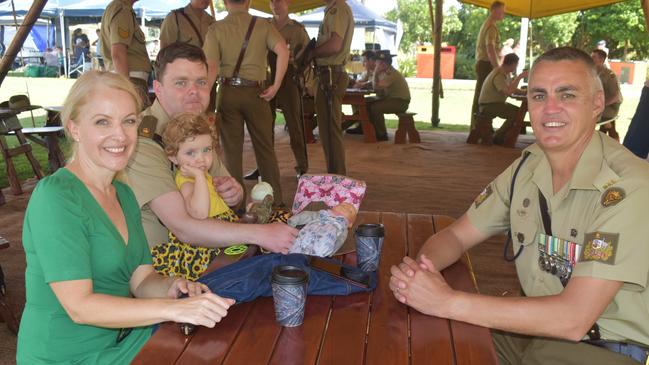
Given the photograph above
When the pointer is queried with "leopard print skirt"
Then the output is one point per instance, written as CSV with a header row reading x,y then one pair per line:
x,y
189,261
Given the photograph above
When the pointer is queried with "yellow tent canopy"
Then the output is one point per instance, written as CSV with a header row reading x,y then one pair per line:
x,y
539,8
294,6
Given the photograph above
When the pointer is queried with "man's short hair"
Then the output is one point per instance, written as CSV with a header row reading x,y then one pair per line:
x,y
569,54
496,5
510,59
370,55
175,51
601,53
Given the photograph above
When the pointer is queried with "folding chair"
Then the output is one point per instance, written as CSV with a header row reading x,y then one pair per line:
x,y
8,125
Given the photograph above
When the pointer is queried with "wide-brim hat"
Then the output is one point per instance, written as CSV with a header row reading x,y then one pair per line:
x,y
384,55
21,103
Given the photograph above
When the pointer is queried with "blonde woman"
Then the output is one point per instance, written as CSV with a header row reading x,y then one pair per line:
x,y
91,291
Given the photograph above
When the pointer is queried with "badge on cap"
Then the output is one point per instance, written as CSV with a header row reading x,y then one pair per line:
x,y
600,247
483,196
612,196
123,33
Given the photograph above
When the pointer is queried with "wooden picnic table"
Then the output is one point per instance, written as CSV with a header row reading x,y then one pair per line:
x,y
363,328
356,97
519,123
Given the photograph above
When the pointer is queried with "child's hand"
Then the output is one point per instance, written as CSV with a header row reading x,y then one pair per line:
x,y
191,171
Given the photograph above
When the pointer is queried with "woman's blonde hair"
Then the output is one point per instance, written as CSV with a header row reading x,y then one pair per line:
x,y
84,89
185,126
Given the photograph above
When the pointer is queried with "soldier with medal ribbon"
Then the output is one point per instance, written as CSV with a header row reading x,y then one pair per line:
x,y
572,207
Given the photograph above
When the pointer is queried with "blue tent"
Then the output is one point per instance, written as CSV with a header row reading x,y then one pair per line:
x,y
363,17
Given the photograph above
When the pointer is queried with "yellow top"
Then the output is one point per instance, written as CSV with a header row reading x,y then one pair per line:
x,y
176,27
118,25
217,205
603,206
224,40
338,19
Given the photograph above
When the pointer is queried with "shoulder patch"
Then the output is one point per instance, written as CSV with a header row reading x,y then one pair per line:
x,y
612,196
600,247
123,33
483,196
147,126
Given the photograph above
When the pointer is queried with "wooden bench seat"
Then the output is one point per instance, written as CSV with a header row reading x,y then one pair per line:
x,y
406,131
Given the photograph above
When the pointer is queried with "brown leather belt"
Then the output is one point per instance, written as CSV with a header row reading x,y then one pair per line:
x,y
238,81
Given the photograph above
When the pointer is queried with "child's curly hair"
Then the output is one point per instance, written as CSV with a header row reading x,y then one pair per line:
x,y
185,126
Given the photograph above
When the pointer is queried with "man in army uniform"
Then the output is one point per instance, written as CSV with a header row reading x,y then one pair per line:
x,y
289,94
181,87
364,82
236,49
497,87
123,45
612,93
486,52
393,94
573,204
331,53
188,24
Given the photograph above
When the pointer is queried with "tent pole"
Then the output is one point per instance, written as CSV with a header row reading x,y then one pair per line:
x,y
64,46
22,33
437,67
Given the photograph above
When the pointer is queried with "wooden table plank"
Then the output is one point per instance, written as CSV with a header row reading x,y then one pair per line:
x,y
473,344
164,347
387,341
430,337
211,345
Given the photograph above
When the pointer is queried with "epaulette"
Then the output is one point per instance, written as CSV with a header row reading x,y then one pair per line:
x,y
147,126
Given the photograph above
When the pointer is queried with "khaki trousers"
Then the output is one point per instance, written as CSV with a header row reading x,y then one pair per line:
x,y
376,108
610,112
514,349
501,110
237,105
482,70
329,121
288,99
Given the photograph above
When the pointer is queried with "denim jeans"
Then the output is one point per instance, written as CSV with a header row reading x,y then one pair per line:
x,y
248,279
637,137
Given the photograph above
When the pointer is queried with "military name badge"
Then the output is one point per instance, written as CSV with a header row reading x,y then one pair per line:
x,y
600,247
123,33
483,196
612,196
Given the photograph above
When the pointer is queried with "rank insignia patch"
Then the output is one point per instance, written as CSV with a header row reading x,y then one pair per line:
x,y
600,246
483,196
612,196
123,33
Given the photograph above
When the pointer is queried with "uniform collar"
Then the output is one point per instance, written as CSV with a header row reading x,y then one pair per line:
x,y
333,4
160,114
591,172
238,10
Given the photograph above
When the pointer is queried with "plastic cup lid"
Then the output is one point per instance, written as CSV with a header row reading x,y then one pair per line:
x,y
287,274
370,230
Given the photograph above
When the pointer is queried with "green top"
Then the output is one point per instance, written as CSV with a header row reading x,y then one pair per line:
x,y
68,236
601,208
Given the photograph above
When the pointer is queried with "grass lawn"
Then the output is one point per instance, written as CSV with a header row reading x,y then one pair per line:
x,y
455,110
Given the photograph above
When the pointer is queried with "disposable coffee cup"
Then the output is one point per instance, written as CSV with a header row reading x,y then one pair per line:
x,y
289,285
369,241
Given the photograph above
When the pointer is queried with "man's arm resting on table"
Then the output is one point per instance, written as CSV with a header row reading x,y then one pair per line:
x,y
170,209
118,56
512,87
332,46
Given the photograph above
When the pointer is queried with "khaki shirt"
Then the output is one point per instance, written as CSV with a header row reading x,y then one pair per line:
x,y
610,84
176,27
149,174
395,85
338,19
494,86
118,25
583,208
488,35
224,40
296,39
